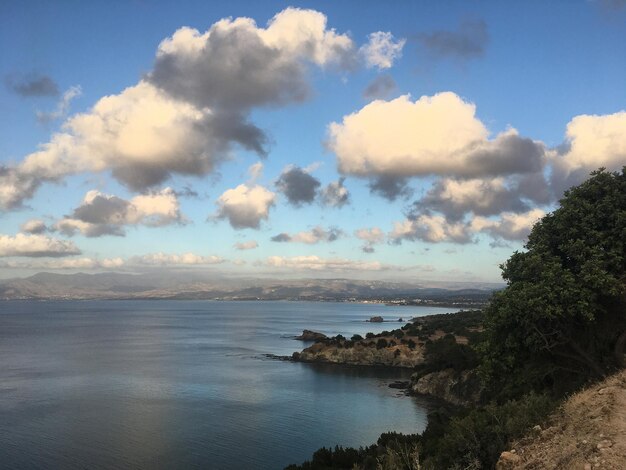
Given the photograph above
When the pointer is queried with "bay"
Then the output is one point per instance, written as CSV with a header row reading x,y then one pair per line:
x,y
186,384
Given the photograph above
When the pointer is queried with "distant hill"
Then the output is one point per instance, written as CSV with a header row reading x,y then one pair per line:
x,y
190,285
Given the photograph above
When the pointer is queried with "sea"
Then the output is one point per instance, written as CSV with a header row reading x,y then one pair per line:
x,y
187,384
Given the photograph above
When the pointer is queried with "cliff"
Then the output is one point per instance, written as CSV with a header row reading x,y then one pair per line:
x,y
457,387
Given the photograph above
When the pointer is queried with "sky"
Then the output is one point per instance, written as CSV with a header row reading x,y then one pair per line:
x,y
406,140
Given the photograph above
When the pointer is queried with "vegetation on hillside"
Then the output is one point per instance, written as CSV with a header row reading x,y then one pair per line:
x,y
560,322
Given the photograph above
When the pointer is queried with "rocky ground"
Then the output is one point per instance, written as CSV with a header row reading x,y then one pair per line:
x,y
588,432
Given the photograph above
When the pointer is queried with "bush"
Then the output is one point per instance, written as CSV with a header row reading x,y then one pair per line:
x,y
446,353
480,435
356,338
381,343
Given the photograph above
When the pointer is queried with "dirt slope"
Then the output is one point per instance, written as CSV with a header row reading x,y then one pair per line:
x,y
588,432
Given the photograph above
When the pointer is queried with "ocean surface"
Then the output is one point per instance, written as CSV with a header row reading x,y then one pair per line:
x,y
185,384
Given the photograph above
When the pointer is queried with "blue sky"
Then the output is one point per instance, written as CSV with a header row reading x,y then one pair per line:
x,y
490,110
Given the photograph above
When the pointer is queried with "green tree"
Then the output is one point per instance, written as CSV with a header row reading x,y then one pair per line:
x,y
561,319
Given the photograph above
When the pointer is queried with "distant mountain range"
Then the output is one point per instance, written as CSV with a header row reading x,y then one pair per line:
x,y
189,285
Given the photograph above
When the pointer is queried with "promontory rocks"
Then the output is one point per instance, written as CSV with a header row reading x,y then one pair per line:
x,y
364,353
308,335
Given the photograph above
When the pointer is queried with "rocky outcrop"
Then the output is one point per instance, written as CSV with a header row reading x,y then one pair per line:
x,y
308,335
459,388
362,353
376,319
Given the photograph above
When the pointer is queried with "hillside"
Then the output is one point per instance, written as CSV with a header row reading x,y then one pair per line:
x,y
196,285
588,431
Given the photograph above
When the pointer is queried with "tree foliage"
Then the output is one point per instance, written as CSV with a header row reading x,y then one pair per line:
x,y
563,310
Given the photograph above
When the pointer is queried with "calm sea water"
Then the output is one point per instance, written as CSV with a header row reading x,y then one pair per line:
x,y
184,384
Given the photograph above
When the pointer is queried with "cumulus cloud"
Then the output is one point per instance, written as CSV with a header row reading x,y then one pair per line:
x,y
142,135
236,65
509,226
431,228
389,142
245,206
379,88
15,187
192,109
469,41
435,228
591,141
32,85
371,236
34,226
62,108
335,194
104,214
35,245
297,185
390,187
437,134
310,237
382,50
247,245
454,198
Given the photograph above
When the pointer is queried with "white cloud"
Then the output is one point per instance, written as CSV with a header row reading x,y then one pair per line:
x,y
509,226
245,206
141,135
35,246
247,245
481,196
315,263
382,50
168,259
370,235
191,109
310,237
68,263
304,33
591,141
596,141
148,260
437,229
432,229
437,134
104,214
34,226
335,194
